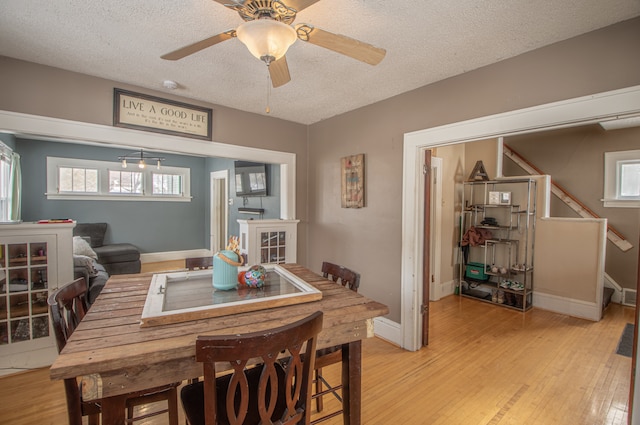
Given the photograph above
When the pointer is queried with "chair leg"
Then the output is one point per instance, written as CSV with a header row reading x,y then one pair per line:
x,y
319,404
169,395
173,406
94,419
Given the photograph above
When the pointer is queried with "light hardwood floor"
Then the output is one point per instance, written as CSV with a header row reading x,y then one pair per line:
x,y
485,365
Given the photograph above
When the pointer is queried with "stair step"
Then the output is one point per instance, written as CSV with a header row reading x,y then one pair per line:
x,y
607,295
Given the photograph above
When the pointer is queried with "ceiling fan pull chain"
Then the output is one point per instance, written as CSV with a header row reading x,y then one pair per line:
x,y
268,108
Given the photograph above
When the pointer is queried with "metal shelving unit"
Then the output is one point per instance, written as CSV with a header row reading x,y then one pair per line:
x,y
497,232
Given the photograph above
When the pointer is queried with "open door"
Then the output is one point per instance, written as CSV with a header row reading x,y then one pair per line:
x,y
426,256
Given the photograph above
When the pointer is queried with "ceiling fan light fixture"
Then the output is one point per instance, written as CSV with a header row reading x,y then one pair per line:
x,y
266,39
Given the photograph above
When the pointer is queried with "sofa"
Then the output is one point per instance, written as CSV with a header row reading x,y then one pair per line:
x,y
117,258
93,272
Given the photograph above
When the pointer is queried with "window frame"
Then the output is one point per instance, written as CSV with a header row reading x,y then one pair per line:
x,y
612,196
103,167
163,174
5,190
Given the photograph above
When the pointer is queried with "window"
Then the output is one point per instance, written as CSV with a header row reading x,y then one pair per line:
x,y
80,179
125,182
167,184
622,179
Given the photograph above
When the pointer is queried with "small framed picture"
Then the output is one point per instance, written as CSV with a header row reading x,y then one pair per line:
x,y
352,181
505,198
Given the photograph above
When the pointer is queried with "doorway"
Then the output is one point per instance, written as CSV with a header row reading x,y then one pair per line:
x,y
567,113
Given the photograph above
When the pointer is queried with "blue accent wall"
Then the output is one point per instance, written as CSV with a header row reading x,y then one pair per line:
x,y
9,140
151,226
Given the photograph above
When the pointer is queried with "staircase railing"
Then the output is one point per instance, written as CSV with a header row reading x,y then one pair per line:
x,y
571,201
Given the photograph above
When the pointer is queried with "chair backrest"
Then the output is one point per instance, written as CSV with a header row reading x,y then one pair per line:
x,y
198,263
283,397
67,307
341,275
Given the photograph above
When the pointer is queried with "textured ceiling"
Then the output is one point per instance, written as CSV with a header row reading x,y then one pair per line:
x,y
425,40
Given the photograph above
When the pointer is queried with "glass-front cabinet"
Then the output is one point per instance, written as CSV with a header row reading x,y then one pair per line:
x,y
268,241
30,267
23,291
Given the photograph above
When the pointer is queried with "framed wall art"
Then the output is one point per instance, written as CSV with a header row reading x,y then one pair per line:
x,y
149,113
352,181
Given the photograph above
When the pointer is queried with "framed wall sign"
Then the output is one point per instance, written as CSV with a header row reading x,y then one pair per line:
x,y
352,181
149,113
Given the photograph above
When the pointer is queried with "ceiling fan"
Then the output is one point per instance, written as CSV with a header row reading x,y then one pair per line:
x,y
267,33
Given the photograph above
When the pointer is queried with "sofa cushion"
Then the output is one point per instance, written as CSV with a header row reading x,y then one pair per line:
x,y
117,253
95,231
125,267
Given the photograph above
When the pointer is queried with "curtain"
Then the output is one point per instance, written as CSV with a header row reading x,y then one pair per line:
x,y
15,186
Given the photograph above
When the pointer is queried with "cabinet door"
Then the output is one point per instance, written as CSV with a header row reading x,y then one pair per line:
x,y
28,269
273,246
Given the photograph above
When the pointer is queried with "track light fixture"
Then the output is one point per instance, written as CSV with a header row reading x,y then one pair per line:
x,y
140,158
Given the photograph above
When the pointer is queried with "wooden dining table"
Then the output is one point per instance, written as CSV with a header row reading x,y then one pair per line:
x,y
114,355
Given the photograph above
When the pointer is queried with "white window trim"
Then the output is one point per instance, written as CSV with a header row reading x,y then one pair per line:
x,y
103,167
5,152
611,160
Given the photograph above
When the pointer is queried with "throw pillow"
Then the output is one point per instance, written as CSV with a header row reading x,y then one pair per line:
x,y
87,263
82,247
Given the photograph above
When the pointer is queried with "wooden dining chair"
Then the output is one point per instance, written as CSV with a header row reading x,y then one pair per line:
x,y
263,387
67,306
198,263
342,275
331,355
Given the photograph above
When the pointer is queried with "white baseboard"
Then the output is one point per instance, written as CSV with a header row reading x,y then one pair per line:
x,y
387,329
441,290
568,306
156,257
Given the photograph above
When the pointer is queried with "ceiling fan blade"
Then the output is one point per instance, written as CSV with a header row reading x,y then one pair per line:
x,y
232,2
341,43
279,72
199,45
299,5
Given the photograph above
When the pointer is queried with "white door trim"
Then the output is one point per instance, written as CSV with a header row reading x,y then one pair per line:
x,y
218,209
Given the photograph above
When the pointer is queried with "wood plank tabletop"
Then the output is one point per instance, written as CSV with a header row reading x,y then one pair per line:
x,y
110,345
